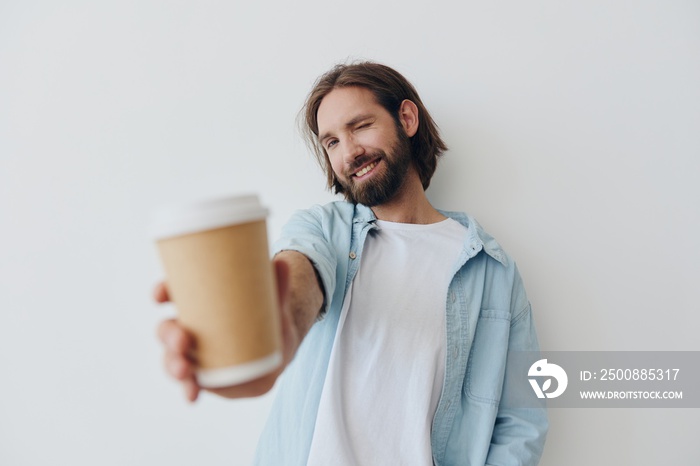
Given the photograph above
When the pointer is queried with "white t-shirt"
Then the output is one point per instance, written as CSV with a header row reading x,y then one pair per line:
x,y
387,365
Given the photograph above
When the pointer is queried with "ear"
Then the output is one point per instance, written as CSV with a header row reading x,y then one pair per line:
x,y
408,116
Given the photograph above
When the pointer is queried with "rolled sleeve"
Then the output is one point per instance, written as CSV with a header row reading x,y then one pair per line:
x,y
304,233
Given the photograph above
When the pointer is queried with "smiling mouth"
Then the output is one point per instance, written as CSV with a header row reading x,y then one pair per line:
x,y
365,170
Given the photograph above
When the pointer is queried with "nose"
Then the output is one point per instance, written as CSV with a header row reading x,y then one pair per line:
x,y
351,150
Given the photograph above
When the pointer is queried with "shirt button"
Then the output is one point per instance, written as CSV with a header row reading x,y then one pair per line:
x,y
353,255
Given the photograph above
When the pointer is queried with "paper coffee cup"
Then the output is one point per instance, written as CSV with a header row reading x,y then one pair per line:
x,y
220,278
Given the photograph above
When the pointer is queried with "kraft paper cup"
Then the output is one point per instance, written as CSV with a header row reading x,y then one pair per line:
x,y
220,278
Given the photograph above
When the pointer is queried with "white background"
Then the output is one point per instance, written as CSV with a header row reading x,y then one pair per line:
x,y
574,139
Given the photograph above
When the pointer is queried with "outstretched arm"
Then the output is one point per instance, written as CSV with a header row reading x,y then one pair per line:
x,y
300,297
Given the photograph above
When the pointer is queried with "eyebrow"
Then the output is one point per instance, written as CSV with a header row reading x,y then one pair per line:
x,y
349,124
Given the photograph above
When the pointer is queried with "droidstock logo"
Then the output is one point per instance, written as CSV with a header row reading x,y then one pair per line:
x,y
542,369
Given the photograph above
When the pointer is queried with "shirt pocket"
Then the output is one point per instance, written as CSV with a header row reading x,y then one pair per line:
x,y
487,358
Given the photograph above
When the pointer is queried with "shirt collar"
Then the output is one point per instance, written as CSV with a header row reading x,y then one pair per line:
x,y
477,239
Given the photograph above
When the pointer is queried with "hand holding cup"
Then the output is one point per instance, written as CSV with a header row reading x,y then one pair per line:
x,y
222,283
179,345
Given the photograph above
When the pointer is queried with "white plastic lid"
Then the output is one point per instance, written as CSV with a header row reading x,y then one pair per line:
x,y
184,219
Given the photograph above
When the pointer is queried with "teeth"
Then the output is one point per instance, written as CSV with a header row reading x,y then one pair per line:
x,y
367,169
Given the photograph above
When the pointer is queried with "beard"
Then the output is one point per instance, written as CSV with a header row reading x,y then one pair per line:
x,y
383,186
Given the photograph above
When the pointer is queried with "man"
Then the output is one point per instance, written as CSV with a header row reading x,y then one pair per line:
x,y
397,317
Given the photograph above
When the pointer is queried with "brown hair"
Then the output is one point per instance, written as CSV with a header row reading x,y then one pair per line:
x,y
390,89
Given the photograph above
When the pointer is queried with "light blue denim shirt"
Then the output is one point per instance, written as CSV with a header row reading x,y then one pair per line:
x,y
487,314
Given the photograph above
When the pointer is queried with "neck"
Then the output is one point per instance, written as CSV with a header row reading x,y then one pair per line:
x,y
409,205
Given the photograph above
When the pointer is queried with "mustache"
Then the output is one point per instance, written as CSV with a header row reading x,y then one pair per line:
x,y
362,160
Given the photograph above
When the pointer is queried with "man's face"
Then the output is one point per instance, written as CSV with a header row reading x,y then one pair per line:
x,y
368,153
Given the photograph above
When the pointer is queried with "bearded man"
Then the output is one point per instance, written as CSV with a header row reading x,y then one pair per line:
x,y
397,317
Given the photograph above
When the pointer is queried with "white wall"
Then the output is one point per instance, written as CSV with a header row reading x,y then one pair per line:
x,y
573,129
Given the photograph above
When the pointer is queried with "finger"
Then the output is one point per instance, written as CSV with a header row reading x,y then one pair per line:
x,y
178,366
160,293
191,389
175,338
